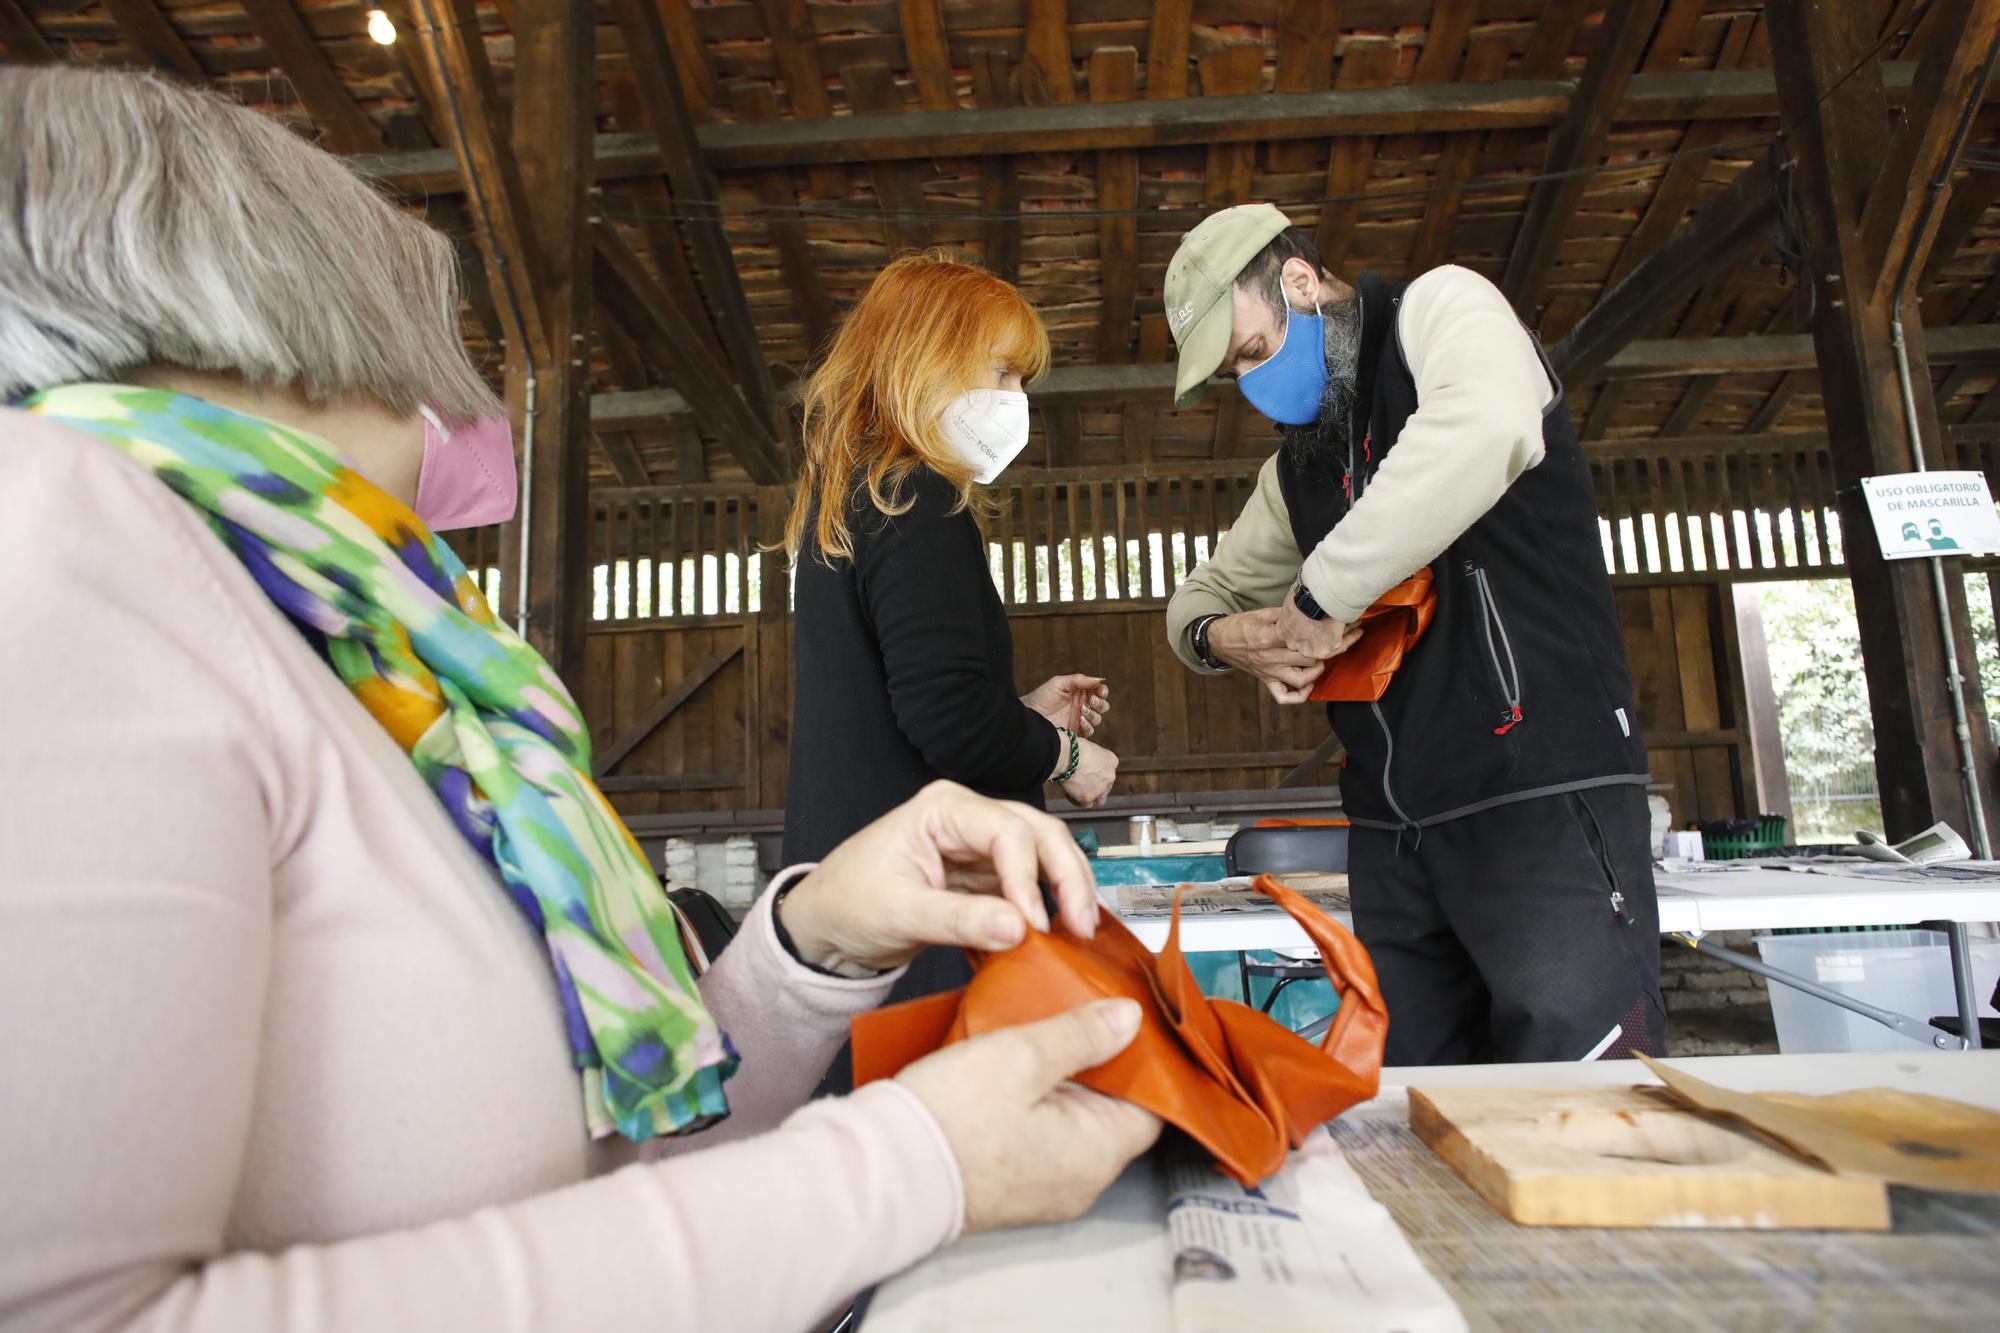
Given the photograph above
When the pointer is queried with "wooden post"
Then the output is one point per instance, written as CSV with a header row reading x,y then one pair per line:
x,y
1832,97
555,94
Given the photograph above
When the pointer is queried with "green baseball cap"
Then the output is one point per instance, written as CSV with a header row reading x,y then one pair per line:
x,y
1200,279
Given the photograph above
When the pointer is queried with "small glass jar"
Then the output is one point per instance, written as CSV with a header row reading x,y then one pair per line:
x,y
1141,828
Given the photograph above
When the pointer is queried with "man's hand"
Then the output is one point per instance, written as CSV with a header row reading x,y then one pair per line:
x,y
1075,701
1252,642
1316,639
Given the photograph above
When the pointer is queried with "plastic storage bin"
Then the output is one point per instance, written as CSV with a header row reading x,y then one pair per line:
x,y
1908,971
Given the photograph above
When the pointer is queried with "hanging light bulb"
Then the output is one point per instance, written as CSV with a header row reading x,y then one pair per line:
x,y
381,27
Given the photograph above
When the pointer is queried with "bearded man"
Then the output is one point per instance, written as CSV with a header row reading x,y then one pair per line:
x,y
1499,862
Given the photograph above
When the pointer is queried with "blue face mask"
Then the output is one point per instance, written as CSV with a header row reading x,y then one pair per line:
x,y
1287,386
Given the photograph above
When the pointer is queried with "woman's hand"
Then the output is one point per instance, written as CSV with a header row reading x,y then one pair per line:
x,y
1076,702
946,867
1032,1146
1096,770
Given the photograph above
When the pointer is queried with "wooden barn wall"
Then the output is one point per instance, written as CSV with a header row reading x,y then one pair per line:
x,y
687,676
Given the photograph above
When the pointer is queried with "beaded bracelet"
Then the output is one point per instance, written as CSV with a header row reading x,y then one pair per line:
x,y
1075,757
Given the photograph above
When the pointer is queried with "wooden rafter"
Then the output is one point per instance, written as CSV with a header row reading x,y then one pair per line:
x,y
755,101
553,115
1577,142
631,293
1484,60
1368,62
1046,76
898,192
455,55
693,186
148,32
1701,248
999,177
21,38
1172,122
1231,71
1308,35
339,118
1951,77
795,48
1114,77
922,23
1167,51
1971,196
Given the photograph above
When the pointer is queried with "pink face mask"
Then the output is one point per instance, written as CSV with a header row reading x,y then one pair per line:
x,y
467,479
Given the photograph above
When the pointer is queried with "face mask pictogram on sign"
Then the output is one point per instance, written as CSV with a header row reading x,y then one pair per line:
x,y
467,479
987,429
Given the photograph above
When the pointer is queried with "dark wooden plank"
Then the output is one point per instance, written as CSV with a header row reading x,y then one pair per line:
x,y
1231,71
1167,51
1308,33
922,23
795,47
698,85
630,293
1555,32
898,194
23,41
1951,77
1484,62
1046,76
620,453
803,278
1679,187
455,60
1114,73
1368,62
690,458
1444,41
1971,195
1577,142
148,33
1181,122
645,782
1000,184
553,120
1063,427
694,187
344,126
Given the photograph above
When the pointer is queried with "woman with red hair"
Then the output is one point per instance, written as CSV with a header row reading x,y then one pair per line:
x,y
903,662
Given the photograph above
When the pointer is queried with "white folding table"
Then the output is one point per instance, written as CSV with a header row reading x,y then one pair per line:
x,y
1694,904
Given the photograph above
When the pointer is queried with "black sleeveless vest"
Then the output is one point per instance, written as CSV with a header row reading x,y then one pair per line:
x,y
1520,688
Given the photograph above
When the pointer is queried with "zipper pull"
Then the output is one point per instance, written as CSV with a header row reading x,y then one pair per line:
x,y
1512,719
1367,454
1347,486
1618,904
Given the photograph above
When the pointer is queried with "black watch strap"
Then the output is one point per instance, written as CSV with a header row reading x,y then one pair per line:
x,y
1200,641
1308,608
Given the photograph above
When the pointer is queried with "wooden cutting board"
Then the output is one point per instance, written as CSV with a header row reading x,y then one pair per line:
x,y
1630,1157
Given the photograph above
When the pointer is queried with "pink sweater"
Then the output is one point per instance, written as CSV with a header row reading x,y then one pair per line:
x,y
276,1051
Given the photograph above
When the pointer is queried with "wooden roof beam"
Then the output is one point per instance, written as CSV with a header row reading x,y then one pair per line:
x,y
23,41
693,186
455,56
1151,382
635,298
1182,121
147,31
1703,247
345,127
1577,143
1949,79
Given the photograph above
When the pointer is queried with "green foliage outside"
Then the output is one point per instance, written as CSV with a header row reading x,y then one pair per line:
x,y
1822,694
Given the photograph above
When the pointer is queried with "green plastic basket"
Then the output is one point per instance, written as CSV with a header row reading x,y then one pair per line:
x,y
1734,839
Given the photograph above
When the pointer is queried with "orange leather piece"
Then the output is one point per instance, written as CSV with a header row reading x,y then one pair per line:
x,y
1238,1083
1389,629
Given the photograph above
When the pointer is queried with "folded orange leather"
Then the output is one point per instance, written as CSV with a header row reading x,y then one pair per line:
x,y
1237,1082
1389,629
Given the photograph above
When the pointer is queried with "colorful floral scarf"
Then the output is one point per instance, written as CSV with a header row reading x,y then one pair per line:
x,y
489,726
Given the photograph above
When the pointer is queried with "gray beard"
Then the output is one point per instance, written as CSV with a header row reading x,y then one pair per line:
x,y
1321,445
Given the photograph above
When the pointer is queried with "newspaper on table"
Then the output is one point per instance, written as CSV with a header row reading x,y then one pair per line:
x,y
1223,897
1309,1249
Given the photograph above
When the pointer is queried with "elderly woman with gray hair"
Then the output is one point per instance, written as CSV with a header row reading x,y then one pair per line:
x,y
332,993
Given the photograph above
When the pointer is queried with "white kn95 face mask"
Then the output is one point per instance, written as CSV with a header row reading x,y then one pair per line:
x,y
987,428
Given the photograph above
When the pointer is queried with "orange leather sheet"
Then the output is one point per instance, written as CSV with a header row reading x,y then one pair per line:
x,y
1240,1084
1389,629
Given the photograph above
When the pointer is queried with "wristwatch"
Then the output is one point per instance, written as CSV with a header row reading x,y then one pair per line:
x,y
1200,640
1308,608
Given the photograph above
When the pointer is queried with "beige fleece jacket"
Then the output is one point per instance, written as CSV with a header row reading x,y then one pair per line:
x,y
1481,395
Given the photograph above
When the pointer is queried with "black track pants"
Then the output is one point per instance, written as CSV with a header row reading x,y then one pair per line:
x,y
1525,932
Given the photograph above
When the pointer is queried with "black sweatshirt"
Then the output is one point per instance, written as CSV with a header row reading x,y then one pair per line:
x,y
903,672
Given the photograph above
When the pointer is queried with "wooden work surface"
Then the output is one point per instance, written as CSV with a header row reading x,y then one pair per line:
x,y
1630,1157
1938,1268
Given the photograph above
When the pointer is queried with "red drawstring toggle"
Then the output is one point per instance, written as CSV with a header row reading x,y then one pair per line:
x,y
1367,454
1347,485
1513,719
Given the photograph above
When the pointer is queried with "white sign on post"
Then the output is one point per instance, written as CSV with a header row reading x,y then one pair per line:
x,y
1933,513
